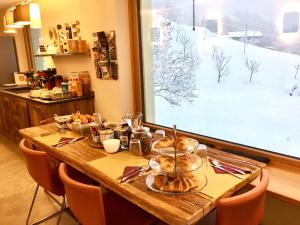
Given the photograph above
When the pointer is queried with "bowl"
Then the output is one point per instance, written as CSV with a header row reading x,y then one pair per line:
x,y
111,145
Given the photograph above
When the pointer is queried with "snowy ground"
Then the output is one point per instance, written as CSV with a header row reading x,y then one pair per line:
x,y
261,114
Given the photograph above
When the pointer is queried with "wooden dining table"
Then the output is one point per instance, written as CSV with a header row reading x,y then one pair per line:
x,y
174,209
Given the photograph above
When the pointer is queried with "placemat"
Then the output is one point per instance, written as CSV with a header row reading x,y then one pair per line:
x,y
114,164
54,138
218,184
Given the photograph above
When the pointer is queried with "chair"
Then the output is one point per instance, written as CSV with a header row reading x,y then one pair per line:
x,y
92,207
247,208
44,171
47,121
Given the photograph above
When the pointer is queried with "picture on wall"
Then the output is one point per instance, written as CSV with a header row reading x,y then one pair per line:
x,y
105,55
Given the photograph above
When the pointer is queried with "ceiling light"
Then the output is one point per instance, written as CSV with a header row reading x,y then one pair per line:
x,y
9,19
22,14
7,29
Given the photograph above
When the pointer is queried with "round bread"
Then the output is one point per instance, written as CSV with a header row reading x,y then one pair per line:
x,y
160,181
164,142
182,143
167,164
188,162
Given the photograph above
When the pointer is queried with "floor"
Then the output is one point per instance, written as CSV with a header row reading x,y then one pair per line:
x,y
17,189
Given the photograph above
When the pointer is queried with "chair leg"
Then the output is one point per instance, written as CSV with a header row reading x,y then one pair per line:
x,y
31,206
62,209
52,197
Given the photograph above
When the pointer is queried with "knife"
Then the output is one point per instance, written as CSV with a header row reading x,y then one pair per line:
x,y
233,174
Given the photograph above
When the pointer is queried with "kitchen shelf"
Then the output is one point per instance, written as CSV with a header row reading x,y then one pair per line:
x,y
62,54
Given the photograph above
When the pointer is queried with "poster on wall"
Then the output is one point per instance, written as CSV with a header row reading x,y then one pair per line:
x,y
105,55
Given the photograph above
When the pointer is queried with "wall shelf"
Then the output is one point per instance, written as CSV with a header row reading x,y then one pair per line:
x,y
62,54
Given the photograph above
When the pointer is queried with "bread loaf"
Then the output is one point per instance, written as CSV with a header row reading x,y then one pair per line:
x,y
182,143
164,142
182,183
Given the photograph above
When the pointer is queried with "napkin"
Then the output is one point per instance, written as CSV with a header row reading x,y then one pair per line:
x,y
128,169
229,168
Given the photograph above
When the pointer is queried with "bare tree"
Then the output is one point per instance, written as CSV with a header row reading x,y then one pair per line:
x,y
175,63
221,64
252,66
297,67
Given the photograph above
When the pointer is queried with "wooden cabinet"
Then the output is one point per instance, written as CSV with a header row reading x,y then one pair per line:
x,y
7,126
20,116
17,113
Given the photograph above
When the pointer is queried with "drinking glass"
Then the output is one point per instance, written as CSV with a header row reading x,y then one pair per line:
x,y
76,127
202,152
98,119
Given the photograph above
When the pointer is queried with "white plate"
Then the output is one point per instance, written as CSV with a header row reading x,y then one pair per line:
x,y
202,183
193,144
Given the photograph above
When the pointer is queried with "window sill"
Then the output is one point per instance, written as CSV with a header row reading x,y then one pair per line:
x,y
284,183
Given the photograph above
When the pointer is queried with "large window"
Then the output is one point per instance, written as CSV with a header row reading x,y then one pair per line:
x,y
225,69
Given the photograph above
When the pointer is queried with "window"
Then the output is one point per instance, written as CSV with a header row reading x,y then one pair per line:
x,y
235,78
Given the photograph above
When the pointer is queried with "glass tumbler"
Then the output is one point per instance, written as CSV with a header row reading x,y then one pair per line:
x,y
202,152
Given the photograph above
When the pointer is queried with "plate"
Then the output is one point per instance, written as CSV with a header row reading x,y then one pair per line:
x,y
190,163
193,144
202,179
94,144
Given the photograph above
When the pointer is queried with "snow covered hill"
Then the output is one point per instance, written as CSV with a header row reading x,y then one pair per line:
x,y
261,113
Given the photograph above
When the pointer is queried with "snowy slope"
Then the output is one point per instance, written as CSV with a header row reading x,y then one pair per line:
x,y
260,114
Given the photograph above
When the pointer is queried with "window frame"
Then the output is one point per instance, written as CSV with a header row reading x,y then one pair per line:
x,y
137,82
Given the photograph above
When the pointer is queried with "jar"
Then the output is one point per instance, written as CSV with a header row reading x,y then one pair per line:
x,y
106,134
144,135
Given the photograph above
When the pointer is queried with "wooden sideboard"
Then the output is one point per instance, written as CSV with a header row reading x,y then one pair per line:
x,y
18,111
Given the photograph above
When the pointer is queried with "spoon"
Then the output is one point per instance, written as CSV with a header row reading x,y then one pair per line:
x,y
217,163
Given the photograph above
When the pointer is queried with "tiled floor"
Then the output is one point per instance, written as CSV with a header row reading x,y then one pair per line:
x,y
17,189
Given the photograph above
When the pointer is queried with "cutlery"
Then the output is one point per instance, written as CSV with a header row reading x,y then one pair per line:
x,y
59,144
235,159
233,174
133,177
217,163
129,173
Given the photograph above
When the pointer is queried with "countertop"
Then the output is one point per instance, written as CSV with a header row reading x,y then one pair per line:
x,y
23,91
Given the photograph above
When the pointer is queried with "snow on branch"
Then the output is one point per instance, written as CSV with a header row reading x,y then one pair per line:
x,y
252,66
297,67
221,64
175,63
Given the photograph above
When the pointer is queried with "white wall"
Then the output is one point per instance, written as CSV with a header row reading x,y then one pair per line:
x,y
113,98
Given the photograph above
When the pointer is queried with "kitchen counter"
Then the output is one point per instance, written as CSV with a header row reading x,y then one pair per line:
x,y
23,91
18,110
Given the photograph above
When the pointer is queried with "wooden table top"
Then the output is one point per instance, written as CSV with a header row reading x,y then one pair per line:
x,y
181,209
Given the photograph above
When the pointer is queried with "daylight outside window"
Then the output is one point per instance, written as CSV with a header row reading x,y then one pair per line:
x,y
234,77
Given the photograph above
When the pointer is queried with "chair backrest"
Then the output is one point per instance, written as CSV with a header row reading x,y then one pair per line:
x,y
43,169
84,200
244,209
47,121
